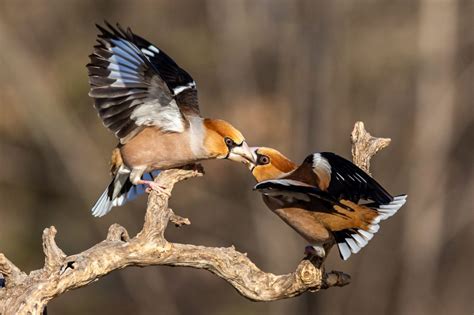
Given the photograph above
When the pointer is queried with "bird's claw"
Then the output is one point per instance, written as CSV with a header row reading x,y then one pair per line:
x,y
156,187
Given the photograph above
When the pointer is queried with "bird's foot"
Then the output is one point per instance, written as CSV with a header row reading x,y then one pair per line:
x,y
154,186
314,251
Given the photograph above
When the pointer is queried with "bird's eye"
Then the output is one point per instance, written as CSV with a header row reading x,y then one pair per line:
x,y
263,159
229,142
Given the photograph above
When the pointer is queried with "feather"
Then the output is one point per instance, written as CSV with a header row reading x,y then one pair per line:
x,y
127,72
124,192
344,250
353,183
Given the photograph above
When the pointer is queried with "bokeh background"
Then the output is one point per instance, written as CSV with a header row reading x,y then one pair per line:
x,y
294,75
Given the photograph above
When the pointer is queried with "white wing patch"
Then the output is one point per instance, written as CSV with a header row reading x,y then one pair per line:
x,y
322,169
319,162
153,114
128,89
181,88
153,48
151,51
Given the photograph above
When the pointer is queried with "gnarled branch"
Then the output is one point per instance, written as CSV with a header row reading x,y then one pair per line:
x,y
365,146
29,294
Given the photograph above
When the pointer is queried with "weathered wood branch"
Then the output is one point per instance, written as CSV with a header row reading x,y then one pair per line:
x,y
365,146
29,294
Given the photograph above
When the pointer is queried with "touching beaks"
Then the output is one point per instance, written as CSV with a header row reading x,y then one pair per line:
x,y
254,150
244,154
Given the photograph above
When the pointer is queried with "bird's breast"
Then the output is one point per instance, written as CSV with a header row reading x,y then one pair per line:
x,y
303,221
158,150
306,224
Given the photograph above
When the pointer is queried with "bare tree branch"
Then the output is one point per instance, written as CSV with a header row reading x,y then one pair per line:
x,y
9,270
54,256
365,146
29,294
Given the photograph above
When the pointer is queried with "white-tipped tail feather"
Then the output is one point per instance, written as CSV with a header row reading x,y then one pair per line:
x,y
105,203
351,241
386,211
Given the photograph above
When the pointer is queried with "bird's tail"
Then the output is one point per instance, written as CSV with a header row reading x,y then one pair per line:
x,y
120,191
351,241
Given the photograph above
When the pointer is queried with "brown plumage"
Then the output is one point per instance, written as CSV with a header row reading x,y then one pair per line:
x,y
151,106
321,199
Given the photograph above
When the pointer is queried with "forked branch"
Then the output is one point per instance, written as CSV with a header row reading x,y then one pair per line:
x,y
29,294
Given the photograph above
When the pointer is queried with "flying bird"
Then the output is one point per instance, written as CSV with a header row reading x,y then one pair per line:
x,y
151,105
327,199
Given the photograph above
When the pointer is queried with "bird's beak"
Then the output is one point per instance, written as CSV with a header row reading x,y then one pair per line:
x,y
244,154
251,166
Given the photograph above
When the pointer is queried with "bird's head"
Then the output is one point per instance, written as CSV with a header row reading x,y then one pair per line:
x,y
270,164
223,141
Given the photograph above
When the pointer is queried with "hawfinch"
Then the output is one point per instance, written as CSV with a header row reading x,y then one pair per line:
x,y
327,199
151,105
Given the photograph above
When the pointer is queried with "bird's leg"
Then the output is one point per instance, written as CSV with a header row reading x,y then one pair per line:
x,y
153,186
136,179
315,251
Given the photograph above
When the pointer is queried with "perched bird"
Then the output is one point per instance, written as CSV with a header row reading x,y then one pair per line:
x,y
327,199
151,105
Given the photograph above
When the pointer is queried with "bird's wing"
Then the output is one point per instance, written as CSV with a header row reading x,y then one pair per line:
x,y
344,180
134,84
292,190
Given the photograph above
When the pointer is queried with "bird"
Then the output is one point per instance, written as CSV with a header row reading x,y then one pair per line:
x,y
151,105
327,199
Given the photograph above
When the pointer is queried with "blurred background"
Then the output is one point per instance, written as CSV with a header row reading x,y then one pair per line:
x,y
294,75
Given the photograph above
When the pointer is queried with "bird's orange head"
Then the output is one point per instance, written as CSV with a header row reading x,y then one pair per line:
x,y
224,141
270,164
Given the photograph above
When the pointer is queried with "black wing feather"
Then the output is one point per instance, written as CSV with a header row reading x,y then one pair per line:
x,y
350,182
174,76
285,186
127,72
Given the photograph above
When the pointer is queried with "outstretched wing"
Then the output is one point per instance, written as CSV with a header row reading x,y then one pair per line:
x,y
347,181
134,84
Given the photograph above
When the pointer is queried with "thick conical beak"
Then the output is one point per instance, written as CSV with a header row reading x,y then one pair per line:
x,y
251,166
244,154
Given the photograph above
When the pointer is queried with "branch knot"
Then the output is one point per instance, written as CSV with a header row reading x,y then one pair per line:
x,y
309,274
117,233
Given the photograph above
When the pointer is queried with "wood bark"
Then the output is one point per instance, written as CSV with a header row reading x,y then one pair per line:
x,y
29,293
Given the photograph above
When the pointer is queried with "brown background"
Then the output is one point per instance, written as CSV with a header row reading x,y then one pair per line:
x,y
294,75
